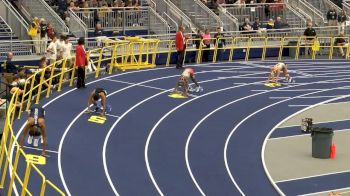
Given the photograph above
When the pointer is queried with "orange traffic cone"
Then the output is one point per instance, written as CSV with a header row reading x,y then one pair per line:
x,y
333,151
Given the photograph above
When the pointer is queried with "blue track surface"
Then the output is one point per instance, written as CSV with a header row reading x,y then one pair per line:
x,y
208,144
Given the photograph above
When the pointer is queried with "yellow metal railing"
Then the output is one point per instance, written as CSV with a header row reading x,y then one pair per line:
x,y
131,53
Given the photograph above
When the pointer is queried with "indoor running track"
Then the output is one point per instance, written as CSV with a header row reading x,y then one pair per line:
x,y
209,144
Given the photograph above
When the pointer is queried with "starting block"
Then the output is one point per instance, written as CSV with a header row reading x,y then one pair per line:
x,y
176,96
97,119
36,159
272,84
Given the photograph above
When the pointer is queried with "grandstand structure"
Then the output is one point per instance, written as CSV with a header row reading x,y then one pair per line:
x,y
144,36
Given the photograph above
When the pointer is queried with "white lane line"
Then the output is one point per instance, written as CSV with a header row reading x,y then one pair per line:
x,y
249,116
316,97
312,176
298,105
65,93
303,135
279,97
152,87
111,115
40,149
273,129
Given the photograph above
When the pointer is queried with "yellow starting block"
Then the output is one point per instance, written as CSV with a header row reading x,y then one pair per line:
x,y
272,84
176,96
36,159
97,119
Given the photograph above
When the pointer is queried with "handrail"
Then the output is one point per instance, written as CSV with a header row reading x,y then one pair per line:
x,y
297,13
11,32
178,11
172,20
55,15
23,28
316,16
159,18
232,20
210,12
78,22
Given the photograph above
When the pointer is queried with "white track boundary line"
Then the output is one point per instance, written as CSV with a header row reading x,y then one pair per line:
x,y
40,149
312,176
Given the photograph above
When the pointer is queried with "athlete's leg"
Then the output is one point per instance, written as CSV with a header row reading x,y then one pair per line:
x,y
30,122
42,126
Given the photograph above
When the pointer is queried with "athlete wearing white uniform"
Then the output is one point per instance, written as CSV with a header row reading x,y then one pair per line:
x,y
182,85
276,71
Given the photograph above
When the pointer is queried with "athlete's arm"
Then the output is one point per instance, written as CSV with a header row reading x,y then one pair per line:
x,y
103,101
43,133
24,133
90,100
194,80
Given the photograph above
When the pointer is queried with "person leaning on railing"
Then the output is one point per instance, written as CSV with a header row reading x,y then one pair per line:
x,y
341,43
310,34
10,68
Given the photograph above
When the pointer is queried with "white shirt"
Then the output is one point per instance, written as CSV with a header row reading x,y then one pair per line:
x,y
52,51
66,50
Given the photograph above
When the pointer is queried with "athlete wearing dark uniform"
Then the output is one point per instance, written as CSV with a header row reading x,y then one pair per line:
x,y
98,99
36,121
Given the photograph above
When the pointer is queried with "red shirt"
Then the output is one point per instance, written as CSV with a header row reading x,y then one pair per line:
x,y
180,41
80,56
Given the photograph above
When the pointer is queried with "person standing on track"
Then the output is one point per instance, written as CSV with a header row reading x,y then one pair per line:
x,y
182,85
98,99
80,62
35,122
276,71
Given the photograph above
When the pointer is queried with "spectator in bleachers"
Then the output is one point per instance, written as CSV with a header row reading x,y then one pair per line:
x,y
51,51
340,41
43,35
72,6
98,30
213,5
332,17
220,42
240,3
93,3
66,49
50,31
59,45
270,24
278,23
10,68
257,24
33,33
62,7
206,45
310,34
247,27
341,21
